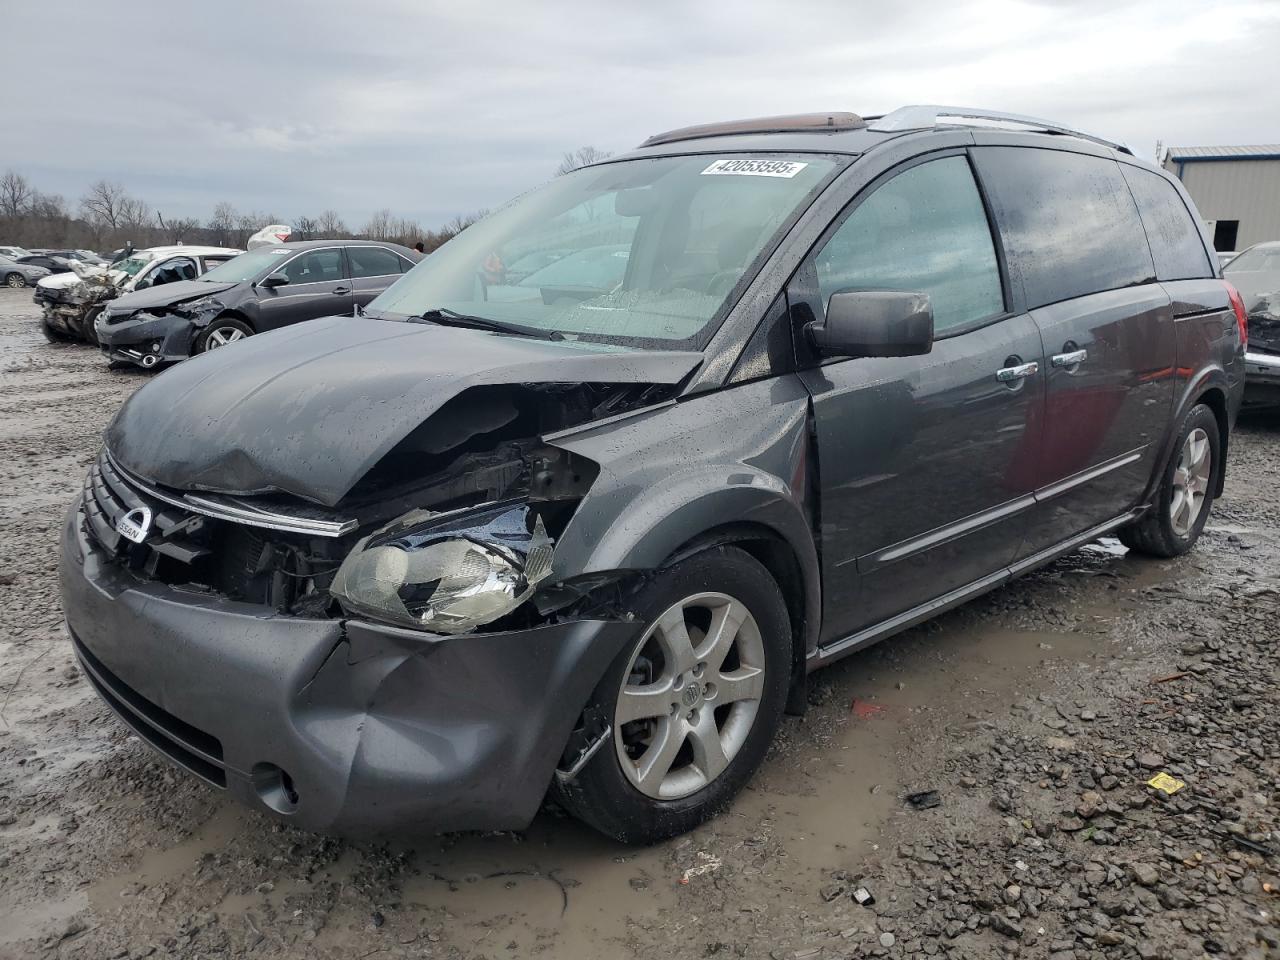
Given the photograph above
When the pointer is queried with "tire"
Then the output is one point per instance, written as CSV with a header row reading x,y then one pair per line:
x,y
15,280
54,335
707,588
226,329
89,332
1175,521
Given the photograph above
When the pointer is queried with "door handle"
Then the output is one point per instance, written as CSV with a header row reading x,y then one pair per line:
x,y
1071,359
339,291
1017,372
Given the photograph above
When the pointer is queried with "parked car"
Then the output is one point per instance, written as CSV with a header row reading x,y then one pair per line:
x,y
13,253
49,262
272,286
15,274
72,300
1255,272
412,569
1225,257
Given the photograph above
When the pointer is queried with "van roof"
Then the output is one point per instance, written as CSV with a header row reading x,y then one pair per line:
x,y
848,133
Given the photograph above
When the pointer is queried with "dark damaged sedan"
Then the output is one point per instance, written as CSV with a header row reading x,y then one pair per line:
x,y
813,380
257,291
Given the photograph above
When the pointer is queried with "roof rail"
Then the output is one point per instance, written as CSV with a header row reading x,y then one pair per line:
x,y
919,117
794,123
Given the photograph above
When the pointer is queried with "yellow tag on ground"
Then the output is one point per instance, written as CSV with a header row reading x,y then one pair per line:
x,y
1165,783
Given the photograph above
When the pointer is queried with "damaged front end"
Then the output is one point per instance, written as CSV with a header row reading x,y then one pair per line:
x,y
461,550
160,335
71,302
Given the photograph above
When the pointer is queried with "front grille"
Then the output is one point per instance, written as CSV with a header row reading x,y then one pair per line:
x,y
187,746
192,550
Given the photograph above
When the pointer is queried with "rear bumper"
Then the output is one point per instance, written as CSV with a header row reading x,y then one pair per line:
x,y
379,730
1262,378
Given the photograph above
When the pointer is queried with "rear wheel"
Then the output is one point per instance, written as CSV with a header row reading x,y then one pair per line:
x,y
15,280
221,332
1185,495
693,704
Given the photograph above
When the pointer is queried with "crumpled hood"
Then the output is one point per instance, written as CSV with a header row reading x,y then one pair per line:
x,y
311,408
59,281
167,294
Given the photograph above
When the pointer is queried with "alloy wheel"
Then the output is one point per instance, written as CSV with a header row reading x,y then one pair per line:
x,y
16,280
221,336
1190,481
690,695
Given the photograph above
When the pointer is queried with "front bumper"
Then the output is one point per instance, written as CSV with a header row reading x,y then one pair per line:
x,y
146,339
379,730
1262,378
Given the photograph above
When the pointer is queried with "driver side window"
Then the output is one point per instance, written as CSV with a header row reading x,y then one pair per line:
x,y
923,231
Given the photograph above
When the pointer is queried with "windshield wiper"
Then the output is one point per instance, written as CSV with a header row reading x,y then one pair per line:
x,y
451,318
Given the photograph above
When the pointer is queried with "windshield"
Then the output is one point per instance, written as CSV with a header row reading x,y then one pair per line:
x,y
131,266
247,266
638,252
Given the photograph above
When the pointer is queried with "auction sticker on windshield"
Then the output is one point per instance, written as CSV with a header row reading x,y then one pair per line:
x,y
755,168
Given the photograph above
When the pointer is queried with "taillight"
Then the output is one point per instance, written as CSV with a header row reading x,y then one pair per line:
x,y
1242,318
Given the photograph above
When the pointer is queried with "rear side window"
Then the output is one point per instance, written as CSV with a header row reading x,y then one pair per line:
x,y
924,231
1175,241
372,262
1067,220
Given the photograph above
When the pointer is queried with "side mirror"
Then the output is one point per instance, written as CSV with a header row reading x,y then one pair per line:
x,y
274,280
874,323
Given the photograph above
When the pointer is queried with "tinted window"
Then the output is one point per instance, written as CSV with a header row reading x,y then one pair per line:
x,y
317,266
1174,238
372,261
925,231
1067,220
211,262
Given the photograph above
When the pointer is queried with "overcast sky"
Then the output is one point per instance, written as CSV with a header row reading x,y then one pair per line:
x,y
434,109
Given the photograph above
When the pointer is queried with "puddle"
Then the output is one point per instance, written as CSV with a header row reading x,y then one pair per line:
x,y
33,921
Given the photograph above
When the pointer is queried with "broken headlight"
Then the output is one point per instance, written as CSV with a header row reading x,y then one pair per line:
x,y
446,579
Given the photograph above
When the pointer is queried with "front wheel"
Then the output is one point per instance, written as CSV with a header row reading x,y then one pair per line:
x,y
1185,494
220,332
693,704
15,280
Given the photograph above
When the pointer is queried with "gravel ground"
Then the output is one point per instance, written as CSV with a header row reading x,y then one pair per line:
x,y
1031,720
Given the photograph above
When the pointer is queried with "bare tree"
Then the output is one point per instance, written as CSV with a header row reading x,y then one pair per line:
x,y
103,205
378,227
305,228
180,230
16,194
329,226
223,222
583,156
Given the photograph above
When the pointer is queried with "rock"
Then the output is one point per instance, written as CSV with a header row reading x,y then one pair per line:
x,y
830,891
1150,761
1012,893
1144,874
1002,924
887,939
1091,804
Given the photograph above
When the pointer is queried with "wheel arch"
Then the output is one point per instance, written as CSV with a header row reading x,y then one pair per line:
x,y
779,558
234,314
1211,388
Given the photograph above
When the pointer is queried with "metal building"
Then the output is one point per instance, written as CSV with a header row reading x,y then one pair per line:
x,y
1236,189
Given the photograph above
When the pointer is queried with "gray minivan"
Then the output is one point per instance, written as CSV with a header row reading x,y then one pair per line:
x,y
492,539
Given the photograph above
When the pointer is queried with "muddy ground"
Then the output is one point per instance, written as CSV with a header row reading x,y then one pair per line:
x,y
1037,714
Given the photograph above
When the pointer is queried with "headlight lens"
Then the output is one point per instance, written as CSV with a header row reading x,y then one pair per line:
x,y
446,583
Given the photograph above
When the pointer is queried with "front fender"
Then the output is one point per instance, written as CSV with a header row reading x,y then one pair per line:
x,y
735,458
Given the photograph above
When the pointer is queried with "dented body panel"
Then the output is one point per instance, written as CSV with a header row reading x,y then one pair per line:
x,y
343,392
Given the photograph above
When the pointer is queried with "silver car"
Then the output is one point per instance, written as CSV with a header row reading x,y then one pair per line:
x,y
14,274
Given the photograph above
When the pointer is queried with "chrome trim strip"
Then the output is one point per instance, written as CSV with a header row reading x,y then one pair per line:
x,y
940,535
1262,359
1062,486
241,513
930,608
